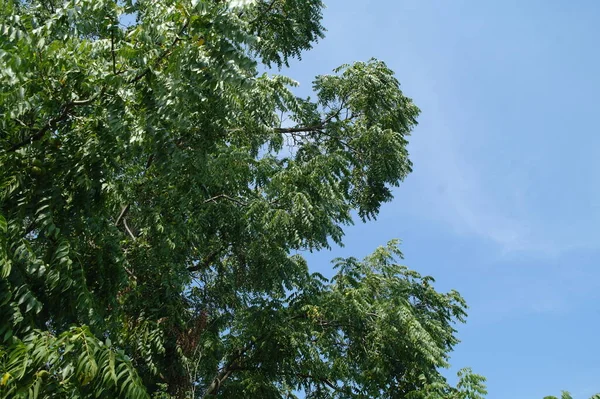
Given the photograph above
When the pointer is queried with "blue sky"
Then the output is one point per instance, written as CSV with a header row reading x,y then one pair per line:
x,y
503,204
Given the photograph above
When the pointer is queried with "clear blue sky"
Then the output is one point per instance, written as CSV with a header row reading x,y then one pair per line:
x,y
504,201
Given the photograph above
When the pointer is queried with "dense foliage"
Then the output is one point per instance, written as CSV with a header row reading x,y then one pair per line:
x,y
153,205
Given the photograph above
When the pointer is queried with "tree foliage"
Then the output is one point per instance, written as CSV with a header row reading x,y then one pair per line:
x,y
567,395
153,203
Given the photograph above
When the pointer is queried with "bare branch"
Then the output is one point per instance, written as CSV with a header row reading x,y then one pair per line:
x,y
122,214
133,237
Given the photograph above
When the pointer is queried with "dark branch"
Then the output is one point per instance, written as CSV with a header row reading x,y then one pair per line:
x,y
313,128
262,14
226,371
112,50
51,124
233,365
205,263
301,129
322,380
66,109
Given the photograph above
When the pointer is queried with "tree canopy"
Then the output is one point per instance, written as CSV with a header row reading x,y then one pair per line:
x,y
155,203
567,395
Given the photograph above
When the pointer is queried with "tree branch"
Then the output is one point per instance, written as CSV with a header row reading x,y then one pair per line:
x,y
163,55
205,263
313,128
234,364
122,214
112,50
300,129
226,371
323,380
225,196
253,23
133,237
51,124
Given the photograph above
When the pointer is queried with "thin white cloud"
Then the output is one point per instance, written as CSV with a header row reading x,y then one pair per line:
x,y
452,186
464,194
458,194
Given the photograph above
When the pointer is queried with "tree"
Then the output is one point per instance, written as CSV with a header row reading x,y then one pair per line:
x,y
153,205
564,395
567,395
